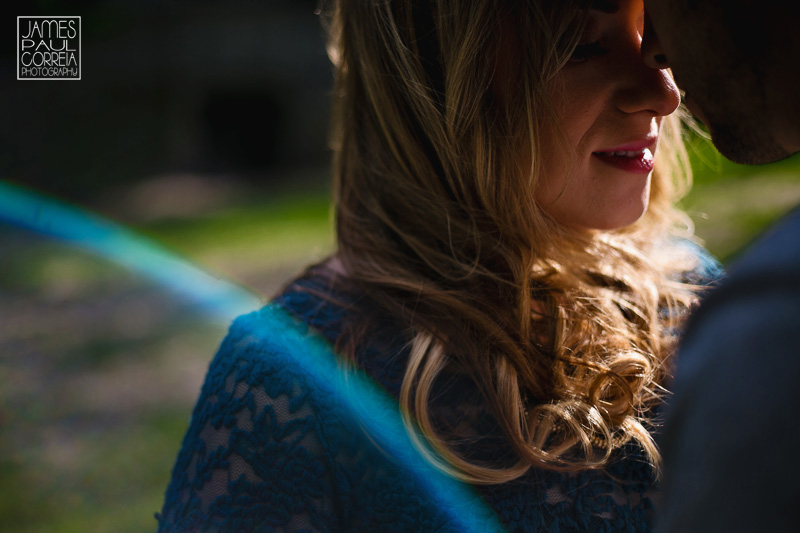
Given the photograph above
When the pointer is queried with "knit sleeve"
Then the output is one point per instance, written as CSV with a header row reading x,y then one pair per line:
x,y
254,457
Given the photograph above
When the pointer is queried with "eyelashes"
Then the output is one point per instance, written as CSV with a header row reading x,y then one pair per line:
x,y
583,52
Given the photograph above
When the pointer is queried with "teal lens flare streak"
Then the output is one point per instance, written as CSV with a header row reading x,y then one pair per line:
x,y
378,412
217,297
224,300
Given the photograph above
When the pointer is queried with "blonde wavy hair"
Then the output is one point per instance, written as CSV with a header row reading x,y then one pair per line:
x,y
566,336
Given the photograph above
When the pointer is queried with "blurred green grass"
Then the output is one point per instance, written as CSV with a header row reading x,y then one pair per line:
x,y
253,240
114,484
732,204
282,227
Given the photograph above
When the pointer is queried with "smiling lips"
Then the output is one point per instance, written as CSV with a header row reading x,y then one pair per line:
x,y
635,157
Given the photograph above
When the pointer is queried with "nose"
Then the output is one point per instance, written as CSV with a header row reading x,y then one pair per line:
x,y
652,53
647,86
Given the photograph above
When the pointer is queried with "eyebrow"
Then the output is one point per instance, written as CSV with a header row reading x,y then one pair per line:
x,y
605,6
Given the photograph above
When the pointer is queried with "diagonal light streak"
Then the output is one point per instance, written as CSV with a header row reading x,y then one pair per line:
x,y
225,300
217,297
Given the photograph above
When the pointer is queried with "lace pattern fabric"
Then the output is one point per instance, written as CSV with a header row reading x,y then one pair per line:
x,y
254,427
269,448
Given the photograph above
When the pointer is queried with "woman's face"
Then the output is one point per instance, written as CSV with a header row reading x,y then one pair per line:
x,y
609,106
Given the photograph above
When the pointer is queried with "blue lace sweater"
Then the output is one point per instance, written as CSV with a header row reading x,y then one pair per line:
x,y
281,439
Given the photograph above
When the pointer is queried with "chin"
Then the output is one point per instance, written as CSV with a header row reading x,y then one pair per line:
x,y
617,221
614,215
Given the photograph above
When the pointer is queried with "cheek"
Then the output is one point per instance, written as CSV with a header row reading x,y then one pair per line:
x,y
579,104
566,147
554,179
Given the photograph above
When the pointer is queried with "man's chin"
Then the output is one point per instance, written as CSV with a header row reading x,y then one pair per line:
x,y
752,147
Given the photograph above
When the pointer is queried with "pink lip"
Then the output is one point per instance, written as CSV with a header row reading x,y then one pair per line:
x,y
641,163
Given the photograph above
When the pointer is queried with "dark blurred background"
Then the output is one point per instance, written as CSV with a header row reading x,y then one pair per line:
x,y
237,88
200,126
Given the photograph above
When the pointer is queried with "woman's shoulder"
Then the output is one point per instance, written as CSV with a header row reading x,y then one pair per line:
x,y
259,416
324,301
264,338
299,322
279,406
275,423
